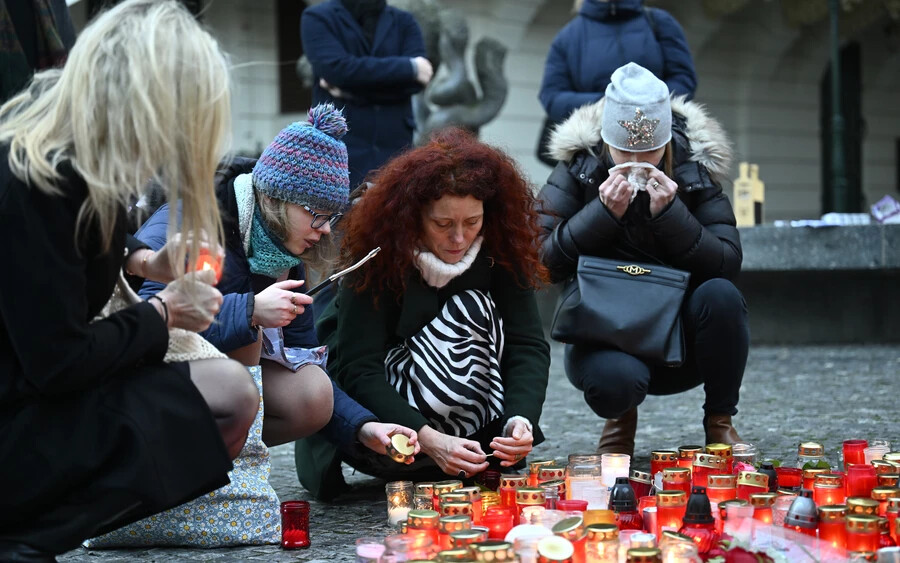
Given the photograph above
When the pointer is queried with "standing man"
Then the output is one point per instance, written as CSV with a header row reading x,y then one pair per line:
x,y
369,59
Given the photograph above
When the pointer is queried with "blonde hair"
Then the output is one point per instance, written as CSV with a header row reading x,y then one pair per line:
x,y
321,257
143,97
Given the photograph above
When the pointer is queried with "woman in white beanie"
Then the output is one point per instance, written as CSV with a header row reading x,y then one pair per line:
x,y
639,179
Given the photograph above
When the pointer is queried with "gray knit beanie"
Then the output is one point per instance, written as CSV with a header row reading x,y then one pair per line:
x,y
637,114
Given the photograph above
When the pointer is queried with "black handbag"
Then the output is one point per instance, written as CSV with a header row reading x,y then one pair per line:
x,y
630,306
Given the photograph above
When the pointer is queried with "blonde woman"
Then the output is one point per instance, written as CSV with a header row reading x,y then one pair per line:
x,y
96,430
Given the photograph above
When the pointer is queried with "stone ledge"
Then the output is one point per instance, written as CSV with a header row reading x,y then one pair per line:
x,y
859,247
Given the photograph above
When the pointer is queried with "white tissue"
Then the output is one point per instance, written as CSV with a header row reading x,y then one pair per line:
x,y
637,174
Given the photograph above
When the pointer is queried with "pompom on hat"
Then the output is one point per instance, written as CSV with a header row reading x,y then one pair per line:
x,y
306,164
637,112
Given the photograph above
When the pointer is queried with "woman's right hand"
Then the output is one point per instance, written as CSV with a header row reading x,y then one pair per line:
x,y
277,305
452,454
192,309
615,194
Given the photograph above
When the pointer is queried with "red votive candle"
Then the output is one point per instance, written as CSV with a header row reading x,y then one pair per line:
x,y
450,524
525,497
677,479
294,524
498,525
490,478
854,452
832,528
508,497
423,523
474,497
789,477
572,504
662,459
641,482
670,507
686,456
862,532
442,487
883,495
809,476
534,469
762,506
893,510
721,487
860,480
704,465
724,451
825,494
751,482
463,538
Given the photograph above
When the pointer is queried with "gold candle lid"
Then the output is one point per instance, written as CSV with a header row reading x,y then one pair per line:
x,y
570,528
812,472
677,475
442,487
884,493
664,455
753,479
762,500
671,498
472,493
722,481
721,450
671,536
599,516
423,519
454,508
425,489
832,512
862,523
811,449
887,479
465,537
513,480
455,496
535,466
554,549
688,452
448,524
560,485
457,554
710,461
862,505
829,479
882,466
891,457
641,476
601,532
893,502
551,473
492,550
530,496
644,555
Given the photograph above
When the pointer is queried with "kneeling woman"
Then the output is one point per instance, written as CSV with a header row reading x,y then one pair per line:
x,y
441,332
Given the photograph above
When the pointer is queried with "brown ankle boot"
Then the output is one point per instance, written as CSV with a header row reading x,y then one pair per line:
x,y
618,434
719,430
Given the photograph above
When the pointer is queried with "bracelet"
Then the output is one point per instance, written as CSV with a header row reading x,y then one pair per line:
x,y
164,306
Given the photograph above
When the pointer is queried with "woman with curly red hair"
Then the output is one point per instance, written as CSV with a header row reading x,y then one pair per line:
x,y
441,331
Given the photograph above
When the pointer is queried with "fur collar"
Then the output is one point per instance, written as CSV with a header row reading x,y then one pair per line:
x,y
707,142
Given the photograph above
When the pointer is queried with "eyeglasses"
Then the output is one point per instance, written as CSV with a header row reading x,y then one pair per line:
x,y
319,219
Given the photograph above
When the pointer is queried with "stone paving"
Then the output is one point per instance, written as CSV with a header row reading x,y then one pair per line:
x,y
826,394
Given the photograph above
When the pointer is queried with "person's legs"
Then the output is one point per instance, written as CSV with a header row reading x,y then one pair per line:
x,y
718,336
232,397
298,404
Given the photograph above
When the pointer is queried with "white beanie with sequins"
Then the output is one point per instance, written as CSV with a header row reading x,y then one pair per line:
x,y
637,114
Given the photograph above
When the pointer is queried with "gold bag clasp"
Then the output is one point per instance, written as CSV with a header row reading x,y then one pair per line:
x,y
633,269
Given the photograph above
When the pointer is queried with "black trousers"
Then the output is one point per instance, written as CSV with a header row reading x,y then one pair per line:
x,y
717,338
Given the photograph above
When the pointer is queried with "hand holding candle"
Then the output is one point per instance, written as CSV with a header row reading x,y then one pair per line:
x,y
398,442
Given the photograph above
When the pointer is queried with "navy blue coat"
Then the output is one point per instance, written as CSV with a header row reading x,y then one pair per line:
x,y
603,37
378,79
231,329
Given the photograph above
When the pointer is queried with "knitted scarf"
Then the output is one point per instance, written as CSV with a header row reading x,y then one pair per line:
x,y
47,49
438,273
266,254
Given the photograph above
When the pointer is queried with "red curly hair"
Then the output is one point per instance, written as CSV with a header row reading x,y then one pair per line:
x,y
453,163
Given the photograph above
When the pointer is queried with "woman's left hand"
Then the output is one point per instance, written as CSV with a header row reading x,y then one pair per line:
x,y
514,447
661,190
377,437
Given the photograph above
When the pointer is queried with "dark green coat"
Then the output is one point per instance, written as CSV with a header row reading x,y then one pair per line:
x,y
359,335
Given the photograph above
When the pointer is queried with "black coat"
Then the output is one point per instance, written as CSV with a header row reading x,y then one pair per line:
x,y
378,79
696,232
91,421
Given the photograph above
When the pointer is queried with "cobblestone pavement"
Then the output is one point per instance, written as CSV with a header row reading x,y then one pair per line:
x,y
826,394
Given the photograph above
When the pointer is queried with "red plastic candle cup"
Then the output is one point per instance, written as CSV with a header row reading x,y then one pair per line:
x,y
498,525
206,261
860,480
662,459
641,483
825,494
677,479
832,528
294,524
670,507
508,496
854,452
789,477
646,502
862,532
499,510
572,504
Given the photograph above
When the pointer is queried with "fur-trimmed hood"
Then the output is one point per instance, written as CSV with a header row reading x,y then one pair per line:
x,y
708,143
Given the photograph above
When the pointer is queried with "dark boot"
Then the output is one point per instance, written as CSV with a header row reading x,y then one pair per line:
x,y
719,429
21,553
618,434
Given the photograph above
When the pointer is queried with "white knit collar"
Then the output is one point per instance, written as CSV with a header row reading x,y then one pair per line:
x,y
438,273
243,195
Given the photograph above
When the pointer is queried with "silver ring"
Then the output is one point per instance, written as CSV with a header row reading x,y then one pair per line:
x,y
655,184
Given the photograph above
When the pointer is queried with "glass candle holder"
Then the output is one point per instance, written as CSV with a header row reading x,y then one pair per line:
x,y
572,505
399,500
463,538
492,550
449,524
559,485
854,452
369,550
725,451
887,479
832,528
862,532
599,516
662,459
780,509
721,487
551,473
745,452
294,524
884,538
442,487
489,499
789,477
860,480
613,466
554,549
532,515
762,504
398,547
457,508
534,469
670,507
423,495
809,476
882,466
892,513
572,529
825,494
811,455
602,543
489,479
873,453
525,497
582,469
643,555
680,552
686,455
677,479
723,512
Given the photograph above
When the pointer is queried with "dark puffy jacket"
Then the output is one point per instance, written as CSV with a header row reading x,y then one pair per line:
x,y
378,78
696,232
603,37
231,329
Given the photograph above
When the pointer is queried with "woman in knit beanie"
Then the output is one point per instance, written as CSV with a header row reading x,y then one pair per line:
x,y
639,180
274,210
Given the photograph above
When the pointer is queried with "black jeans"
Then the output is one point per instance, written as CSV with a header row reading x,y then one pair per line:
x,y
717,337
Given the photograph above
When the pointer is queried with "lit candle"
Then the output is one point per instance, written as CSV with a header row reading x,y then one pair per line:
x,y
463,538
498,524
686,455
832,529
825,494
762,506
423,523
449,524
862,505
670,507
442,487
206,261
706,464
677,479
862,532
860,480
641,482
602,543
399,499
527,497
751,482
854,452
613,466
724,451
492,550
882,494
572,529
662,459
534,469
